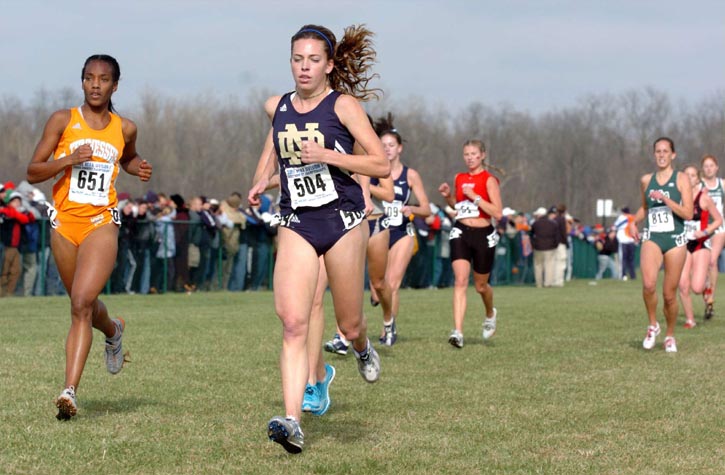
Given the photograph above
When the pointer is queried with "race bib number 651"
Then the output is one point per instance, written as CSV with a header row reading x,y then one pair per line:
x,y
90,182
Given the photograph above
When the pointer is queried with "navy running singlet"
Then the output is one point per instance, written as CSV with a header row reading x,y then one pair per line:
x,y
394,209
313,185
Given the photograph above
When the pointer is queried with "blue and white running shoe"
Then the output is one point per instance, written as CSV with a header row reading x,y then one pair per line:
x,y
323,389
311,401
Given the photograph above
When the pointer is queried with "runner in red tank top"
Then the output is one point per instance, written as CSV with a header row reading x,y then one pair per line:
x,y
473,239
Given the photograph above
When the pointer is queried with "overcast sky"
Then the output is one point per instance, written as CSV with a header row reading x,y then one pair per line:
x,y
534,55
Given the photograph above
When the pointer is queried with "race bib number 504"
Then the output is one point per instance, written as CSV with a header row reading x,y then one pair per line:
x,y
310,185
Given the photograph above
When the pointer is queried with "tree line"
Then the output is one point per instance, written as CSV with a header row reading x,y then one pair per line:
x,y
596,148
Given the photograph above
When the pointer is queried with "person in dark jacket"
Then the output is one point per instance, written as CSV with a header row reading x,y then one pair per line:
x,y
607,246
181,234
545,237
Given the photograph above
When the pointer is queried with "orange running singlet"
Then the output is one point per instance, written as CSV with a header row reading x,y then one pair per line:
x,y
84,195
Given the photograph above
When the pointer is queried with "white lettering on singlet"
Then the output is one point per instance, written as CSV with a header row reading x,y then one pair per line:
x,y
101,149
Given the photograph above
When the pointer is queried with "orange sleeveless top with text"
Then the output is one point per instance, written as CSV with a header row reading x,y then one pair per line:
x,y
87,189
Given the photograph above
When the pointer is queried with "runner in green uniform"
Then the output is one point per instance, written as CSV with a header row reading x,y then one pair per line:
x,y
666,204
715,189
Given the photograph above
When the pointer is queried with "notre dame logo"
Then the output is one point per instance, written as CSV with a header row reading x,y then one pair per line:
x,y
290,141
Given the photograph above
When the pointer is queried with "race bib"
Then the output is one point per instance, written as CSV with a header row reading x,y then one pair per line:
x,y
718,204
351,219
680,240
90,182
691,227
493,239
410,229
115,216
310,185
660,220
394,212
466,209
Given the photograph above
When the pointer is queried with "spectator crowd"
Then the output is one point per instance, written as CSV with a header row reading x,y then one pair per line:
x,y
170,244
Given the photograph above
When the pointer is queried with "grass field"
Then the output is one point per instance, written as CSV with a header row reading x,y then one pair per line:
x,y
564,388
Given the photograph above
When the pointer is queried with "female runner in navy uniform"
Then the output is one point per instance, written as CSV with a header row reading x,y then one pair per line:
x,y
406,181
666,204
477,200
322,206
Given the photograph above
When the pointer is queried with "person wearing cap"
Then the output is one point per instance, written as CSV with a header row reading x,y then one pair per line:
x,y
209,246
233,223
11,227
88,145
545,237
476,197
666,204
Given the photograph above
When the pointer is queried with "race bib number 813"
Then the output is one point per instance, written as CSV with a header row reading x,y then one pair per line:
x,y
660,220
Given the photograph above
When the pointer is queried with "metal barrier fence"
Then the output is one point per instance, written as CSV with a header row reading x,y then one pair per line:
x,y
428,268
164,243
511,267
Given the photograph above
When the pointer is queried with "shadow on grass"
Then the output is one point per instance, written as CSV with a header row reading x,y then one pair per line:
x,y
102,407
353,430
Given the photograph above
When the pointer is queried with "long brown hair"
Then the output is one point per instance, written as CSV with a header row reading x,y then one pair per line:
x,y
353,58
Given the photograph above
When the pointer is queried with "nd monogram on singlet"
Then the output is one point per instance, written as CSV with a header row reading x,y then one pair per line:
x,y
314,185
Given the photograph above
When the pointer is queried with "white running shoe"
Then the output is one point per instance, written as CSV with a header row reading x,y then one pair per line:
x,y
456,339
67,404
368,365
649,340
489,326
114,348
670,345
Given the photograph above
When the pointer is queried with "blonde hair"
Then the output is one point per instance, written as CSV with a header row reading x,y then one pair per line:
x,y
482,147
